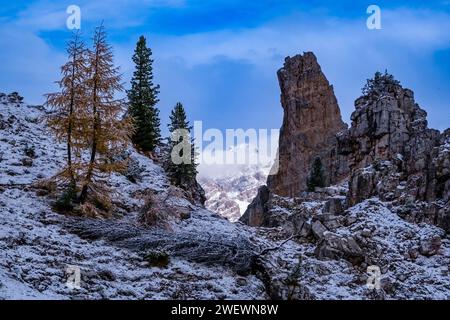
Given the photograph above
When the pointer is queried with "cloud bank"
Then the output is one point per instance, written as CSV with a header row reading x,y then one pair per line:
x,y
220,58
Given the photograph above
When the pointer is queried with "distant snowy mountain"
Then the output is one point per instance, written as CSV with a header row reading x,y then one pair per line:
x,y
231,188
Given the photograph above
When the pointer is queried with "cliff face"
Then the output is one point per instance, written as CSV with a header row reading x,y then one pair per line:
x,y
311,121
389,126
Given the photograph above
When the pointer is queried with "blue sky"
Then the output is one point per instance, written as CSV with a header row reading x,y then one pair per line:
x,y
220,57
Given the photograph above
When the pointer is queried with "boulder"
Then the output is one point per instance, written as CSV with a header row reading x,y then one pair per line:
x,y
334,246
430,246
318,230
334,206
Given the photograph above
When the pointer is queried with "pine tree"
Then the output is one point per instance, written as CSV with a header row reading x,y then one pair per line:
x,y
69,114
182,167
143,99
381,83
108,134
317,177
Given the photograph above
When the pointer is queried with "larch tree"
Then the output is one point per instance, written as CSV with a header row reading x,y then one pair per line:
x,y
69,114
143,99
181,167
109,134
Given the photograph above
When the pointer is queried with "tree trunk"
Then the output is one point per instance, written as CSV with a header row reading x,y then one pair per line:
x,y
70,125
84,191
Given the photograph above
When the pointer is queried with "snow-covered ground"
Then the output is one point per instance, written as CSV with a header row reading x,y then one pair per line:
x,y
36,250
37,246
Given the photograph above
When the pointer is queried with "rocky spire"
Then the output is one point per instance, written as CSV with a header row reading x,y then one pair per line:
x,y
311,121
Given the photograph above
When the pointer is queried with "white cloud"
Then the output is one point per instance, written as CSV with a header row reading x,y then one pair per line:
x,y
348,52
409,29
48,15
29,64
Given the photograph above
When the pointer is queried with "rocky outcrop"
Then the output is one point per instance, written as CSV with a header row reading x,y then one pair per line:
x,y
395,156
311,121
334,246
195,193
311,124
388,152
257,211
389,125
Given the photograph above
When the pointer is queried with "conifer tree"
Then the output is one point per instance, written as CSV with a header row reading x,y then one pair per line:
x,y
379,84
182,167
108,134
317,177
68,119
143,99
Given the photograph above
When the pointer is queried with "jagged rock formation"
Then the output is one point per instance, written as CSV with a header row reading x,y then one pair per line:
x,y
395,156
386,213
389,149
311,121
256,212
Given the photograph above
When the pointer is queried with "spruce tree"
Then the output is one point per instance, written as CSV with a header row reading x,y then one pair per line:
x,y
107,133
317,177
143,99
69,112
182,168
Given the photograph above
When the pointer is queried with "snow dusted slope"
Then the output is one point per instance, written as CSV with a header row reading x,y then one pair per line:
x,y
210,258
25,147
36,249
35,252
339,246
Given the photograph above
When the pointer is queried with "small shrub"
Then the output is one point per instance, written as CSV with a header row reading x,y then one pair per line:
x,y
292,280
96,206
27,162
45,187
65,202
14,97
30,152
376,165
157,259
